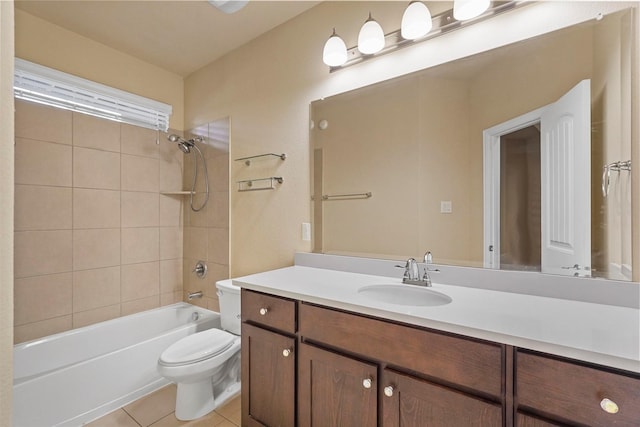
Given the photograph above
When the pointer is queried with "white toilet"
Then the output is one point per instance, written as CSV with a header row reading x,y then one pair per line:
x,y
206,365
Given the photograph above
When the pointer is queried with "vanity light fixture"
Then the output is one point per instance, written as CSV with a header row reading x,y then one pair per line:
x,y
417,26
469,9
335,51
371,37
416,21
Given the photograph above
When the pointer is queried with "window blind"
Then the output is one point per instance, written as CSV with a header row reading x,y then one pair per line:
x,y
33,82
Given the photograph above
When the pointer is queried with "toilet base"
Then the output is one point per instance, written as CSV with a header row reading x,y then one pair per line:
x,y
195,400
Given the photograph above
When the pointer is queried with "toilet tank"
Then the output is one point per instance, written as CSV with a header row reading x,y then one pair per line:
x,y
229,297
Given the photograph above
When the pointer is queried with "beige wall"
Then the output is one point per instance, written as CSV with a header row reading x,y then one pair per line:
x,y
52,46
94,237
6,211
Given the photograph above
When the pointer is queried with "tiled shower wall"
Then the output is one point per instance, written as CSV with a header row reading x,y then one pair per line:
x,y
206,232
94,237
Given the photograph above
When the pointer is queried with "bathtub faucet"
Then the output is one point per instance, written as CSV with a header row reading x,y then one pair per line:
x,y
193,295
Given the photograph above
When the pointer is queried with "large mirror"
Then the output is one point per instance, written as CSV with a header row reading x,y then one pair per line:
x,y
450,159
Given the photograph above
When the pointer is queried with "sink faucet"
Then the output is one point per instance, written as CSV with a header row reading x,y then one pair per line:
x,y
412,274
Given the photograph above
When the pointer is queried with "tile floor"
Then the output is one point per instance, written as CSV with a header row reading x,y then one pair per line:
x,y
158,410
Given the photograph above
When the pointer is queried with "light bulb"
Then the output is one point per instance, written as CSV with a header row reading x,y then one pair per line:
x,y
468,9
335,51
371,37
416,21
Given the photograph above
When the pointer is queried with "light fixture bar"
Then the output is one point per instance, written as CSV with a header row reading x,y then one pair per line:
x,y
442,23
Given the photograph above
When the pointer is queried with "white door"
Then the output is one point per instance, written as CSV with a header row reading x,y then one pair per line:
x,y
565,157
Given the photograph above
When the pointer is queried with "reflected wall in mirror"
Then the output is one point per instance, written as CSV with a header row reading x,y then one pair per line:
x,y
416,144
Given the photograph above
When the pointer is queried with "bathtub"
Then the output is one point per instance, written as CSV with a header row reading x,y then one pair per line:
x,y
74,377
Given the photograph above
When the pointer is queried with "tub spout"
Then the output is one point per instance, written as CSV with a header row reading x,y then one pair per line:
x,y
193,295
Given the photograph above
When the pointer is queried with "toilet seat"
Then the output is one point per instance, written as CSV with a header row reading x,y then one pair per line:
x,y
197,347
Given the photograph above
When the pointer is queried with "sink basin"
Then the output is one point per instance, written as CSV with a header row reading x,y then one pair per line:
x,y
404,295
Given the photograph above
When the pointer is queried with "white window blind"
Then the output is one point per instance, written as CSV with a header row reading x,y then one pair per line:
x,y
33,82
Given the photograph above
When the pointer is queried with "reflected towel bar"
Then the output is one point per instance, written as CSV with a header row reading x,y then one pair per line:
x,y
347,196
248,185
247,160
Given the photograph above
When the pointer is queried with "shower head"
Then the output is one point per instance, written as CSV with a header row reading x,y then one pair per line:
x,y
183,144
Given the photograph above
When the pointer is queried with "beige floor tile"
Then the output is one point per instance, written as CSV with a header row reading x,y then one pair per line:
x,y
118,418
209,420
232,410
153,407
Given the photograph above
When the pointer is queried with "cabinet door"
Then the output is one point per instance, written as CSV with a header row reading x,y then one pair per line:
x,y
523,420
268,378
335,390
411,402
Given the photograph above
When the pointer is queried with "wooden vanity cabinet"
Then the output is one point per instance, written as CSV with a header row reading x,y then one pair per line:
x,y
335,390
572,393
427,378
268,360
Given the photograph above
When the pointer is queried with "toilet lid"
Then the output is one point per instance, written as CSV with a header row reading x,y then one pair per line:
x,y
197,347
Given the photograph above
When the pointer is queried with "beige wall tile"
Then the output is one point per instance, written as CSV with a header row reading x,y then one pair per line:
x,y
96,208
171,164
96,169
195,243
140,209
140,173
96,315
170,298
95,288
42,252
218,209
141,141
171,275
34,330
96,248
42,297
42,163
218,245
131,307
140,280
215,273
219,173
140,245
201,217
42,208
36,121
171,242
171,210
93,132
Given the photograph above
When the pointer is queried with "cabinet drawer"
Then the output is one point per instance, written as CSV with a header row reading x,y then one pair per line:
x,y
268,310
573,392
470,364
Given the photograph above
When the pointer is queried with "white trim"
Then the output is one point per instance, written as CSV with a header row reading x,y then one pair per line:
x,y
491,181
47,86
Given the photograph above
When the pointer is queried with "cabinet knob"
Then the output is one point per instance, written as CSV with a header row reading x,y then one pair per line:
x,y
367,383
609,406
388,391
264,311
286,352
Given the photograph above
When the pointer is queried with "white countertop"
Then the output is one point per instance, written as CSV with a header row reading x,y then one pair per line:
x,y
603,334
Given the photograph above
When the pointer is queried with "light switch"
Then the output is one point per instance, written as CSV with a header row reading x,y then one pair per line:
x,y
306,231
445,206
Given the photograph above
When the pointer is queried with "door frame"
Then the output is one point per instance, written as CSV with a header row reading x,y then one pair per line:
x,y
491,181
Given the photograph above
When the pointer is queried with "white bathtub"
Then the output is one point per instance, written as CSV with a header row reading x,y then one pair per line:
x,y
74,377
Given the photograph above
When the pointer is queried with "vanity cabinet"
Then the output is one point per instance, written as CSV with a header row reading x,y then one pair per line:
x,y
309,365
268,360
427,378
568,392
336,390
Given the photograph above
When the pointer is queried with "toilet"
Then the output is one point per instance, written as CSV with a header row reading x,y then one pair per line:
x,y
206,365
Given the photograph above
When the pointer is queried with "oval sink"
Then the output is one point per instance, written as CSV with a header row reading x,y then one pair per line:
x,y
405,295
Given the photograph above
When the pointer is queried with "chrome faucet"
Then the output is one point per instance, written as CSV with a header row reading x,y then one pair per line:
x,y
412,271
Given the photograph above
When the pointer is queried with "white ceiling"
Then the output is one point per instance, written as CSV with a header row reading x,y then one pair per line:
x,y
178,36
